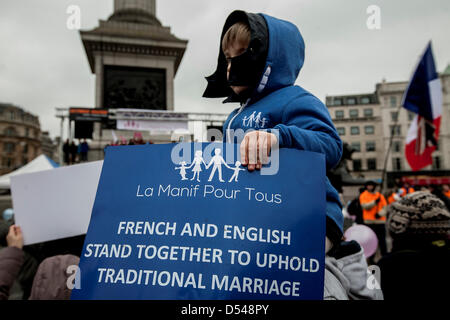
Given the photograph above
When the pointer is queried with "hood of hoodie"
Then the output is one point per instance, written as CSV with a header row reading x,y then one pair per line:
x,y
278,52
347,275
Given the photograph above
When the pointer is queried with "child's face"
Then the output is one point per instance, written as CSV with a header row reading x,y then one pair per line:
x,y
235,49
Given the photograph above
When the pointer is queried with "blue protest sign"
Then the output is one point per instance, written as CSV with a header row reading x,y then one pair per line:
x,y
200,226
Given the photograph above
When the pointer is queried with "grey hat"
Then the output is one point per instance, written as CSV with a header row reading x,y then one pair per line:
x,y
419,214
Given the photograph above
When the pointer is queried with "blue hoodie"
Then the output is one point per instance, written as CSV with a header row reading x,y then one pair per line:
x,y
302,120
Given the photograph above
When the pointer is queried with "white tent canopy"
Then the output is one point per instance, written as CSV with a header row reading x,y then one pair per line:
x,y
40,163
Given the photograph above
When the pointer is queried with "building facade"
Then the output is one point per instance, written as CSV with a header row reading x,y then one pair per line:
x,y
20,134
358,121
48,146
366,121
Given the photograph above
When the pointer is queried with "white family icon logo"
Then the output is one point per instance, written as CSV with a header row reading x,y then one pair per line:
x,y
254,120
216,161
192,161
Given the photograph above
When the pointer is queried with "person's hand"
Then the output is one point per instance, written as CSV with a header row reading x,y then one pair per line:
x,y
255,149
15,237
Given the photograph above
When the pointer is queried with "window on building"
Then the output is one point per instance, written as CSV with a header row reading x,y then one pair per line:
x,y
356,146
24,160
337,102
341,131
372,164
411,115
357,165
27,132
25,148
393,101
339,114
353,113
9,147
368,112
397,146
12,115
397,164
394,116
437,163
365,100
351,101
396,130
10,132
369,129
370,146
8,162
354,131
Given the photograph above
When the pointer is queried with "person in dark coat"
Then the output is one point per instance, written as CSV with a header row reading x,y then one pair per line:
x,y
418,266
73,152
437,191
11,260
50,281
355,209
29,265
84,149
66,151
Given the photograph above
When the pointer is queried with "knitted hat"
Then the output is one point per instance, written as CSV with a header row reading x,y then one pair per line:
x,y
418,214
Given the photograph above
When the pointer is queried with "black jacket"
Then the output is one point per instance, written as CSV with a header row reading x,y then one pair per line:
x,y
416,274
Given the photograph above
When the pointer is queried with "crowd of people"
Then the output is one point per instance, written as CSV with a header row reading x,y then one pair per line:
x,y
136,140
413,235
121,141
75,153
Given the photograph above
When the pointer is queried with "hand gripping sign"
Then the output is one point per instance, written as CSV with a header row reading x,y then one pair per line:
x,y
195,224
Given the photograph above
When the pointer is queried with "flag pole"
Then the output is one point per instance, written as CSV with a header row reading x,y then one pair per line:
x,y
391,138
383,178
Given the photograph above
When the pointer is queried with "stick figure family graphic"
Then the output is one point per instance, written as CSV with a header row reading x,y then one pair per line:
x,y
258,121
216,161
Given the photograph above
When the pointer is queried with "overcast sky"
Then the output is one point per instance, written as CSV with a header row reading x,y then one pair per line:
x,y
43,64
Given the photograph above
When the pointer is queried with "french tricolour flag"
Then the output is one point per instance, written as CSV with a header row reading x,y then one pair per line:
x,y
423,97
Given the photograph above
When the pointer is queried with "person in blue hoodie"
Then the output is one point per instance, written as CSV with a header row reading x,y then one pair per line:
x,y
260,58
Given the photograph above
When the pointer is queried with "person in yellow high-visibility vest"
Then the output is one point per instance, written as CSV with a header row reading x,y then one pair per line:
x,y
374,205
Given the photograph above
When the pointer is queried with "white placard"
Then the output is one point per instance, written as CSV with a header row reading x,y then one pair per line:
x,y
55,204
